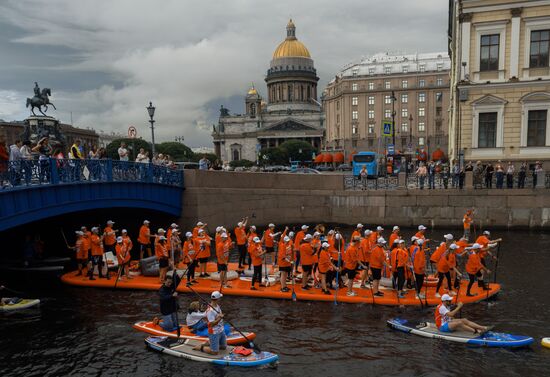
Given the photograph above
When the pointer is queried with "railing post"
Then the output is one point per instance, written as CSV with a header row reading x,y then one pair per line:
x,y
150,172
541,177
402,180
469,180
54,175
109,170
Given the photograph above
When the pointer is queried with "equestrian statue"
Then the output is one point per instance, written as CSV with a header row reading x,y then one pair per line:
x,y
40,99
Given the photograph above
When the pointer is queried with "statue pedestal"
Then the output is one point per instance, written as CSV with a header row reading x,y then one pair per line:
x,y
37,127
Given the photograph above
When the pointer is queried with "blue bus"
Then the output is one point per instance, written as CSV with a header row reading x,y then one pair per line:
x,y
367,159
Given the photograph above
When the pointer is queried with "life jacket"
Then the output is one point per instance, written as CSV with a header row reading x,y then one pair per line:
x,y
240,350
438,318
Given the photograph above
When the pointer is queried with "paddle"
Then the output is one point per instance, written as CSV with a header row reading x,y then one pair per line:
x,y
496,264
176,282
11,290
337,236
64,238
250,342
415,283
120,267
293,277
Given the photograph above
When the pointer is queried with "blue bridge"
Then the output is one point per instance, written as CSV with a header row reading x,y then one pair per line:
x,y
39,189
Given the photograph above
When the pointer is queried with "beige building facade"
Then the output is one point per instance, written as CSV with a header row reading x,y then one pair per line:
x,y
364,95
500,80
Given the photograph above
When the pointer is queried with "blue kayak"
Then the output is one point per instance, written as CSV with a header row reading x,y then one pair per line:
x,y
488,339
225,357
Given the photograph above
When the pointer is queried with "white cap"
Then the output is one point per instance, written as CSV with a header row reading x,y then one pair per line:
x,y
291,234
395,228
119,239
304,227
379,228
188,234
218,229
256,239
448,236
446,297
414,238
82,227
79,233
337,236
200,223
381,240
161,238
216,295
146,222
359,225
224,230
475,246
271,225
124,231
161,230
239,224
95,229
110,222
308,237
325,245
173,225
422,227
331,231
486,232
453,246
420,241
253,227
316,234
201,231
286,239
367,232
400,240
224,235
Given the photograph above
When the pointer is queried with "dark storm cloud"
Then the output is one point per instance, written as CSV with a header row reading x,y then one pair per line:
x,y
105,60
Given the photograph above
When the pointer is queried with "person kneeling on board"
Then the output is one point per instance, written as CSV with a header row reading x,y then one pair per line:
x,y
446,322
196,318
168,305
216,329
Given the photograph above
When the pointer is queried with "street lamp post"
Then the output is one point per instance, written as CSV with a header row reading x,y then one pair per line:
x,y
151,111
393,117
409,147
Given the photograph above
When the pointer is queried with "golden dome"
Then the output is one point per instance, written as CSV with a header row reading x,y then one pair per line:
x,y
291,47
252,91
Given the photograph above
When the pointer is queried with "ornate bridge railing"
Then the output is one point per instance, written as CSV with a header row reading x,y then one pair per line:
x,y
379,183
27,173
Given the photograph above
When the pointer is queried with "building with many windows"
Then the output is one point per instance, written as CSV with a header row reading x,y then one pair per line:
x,y
366,94
500,79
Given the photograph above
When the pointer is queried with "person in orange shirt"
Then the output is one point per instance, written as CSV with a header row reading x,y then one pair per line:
x,y
326,264
297,242
418,258
81,251
375,235
161,252
127,240
306,254
467,223
394,236
268,239
316,245
444,266
175,247
474,267
421,234
240,235
365,246
172,228
144,239
256,253
285,260
97,254
189,256
401,260
351,262
357,231
200,225
377,262
109,237
441,249
250,238
87,240
202,244
222,253
123,257
486,245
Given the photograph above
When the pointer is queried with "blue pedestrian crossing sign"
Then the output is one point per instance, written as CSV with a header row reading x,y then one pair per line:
x,y
387,129
391,149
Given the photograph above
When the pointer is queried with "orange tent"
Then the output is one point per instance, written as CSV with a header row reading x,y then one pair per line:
x,y
338,157
327,157
438,155
319,158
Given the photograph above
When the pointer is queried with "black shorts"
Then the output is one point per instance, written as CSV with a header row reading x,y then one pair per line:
x,y
242,248
307,267
203,260
376,273
222,267
366,264
350,273
285,269
163,262
144,247
483,262
269,249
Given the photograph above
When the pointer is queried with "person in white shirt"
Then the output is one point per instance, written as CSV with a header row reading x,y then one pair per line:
x,y
216,331
446,322
123,152
196,319
142,156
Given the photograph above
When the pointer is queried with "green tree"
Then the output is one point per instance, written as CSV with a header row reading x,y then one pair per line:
x,y
244,163
112,148
178,151
273,156
297,150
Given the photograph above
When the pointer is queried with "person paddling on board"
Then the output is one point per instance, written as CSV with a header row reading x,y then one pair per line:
x,y
222,253
467,222
357,231
351,262
168,305
190,258
486,245
81,251
377,262
474,267
123,257
446,322
216,330
418,258
240,235
444,267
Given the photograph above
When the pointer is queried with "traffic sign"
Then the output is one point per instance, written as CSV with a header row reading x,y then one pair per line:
x,y
132,132
391,149
387,129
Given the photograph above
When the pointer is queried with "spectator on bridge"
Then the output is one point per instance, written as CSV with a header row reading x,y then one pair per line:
x,y
92,154
142,156
26,161
4,158
489,170
510,169
203,163
499,172
478,175
422,157
421,173
123,152
75,154
469,166
522,174
431,175
536,171
456,174
45,150
15,163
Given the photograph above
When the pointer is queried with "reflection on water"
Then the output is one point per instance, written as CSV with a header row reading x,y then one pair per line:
x,y
87,332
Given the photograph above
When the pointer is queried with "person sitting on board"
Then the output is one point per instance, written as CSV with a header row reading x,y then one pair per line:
x,y
474,267
196,318
168,306
216,328
446,322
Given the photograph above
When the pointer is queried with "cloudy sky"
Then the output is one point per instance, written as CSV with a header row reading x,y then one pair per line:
x,y
106,59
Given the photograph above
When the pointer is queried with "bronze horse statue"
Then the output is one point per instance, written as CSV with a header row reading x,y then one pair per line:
x,y
40,100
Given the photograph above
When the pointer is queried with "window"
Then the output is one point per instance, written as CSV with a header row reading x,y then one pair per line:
x,y
354,72
404,84
421,112
536,128
422,97
422,68
404,113
371,143
439,82
371,114
371,71
404,98
371,86
438,97
538,57
489,52
421,141
354,101
438,112
387,100
337,105
387,70
403,142
421,127
387,85
354,143
354,129
404,127
422,83
354,87
354,115
371,129
387,113
405,68
487,134
337,118
439,67
371,100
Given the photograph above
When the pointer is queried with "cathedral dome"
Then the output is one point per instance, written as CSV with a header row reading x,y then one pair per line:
x,y
291,47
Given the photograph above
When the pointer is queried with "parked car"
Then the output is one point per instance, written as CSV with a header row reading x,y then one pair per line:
x,y
343,167
305,171
187,165
325,168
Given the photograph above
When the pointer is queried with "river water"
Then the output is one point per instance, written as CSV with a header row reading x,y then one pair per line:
x,y
87,332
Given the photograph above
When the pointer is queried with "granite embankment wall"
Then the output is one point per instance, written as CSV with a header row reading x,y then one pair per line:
x,y
223,198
